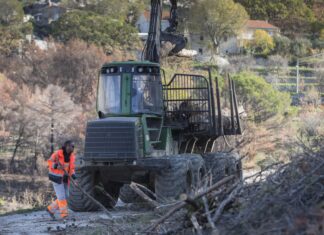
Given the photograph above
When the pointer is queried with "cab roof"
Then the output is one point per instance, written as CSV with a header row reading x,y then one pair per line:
x,y
130,62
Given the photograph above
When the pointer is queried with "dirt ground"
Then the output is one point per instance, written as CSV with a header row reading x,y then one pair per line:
x,y
124,219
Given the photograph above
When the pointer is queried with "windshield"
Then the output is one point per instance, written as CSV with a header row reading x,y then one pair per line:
x,y
109,94
146,94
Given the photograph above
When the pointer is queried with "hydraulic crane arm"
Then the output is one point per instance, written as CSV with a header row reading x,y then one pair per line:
x,y
173,16
152,47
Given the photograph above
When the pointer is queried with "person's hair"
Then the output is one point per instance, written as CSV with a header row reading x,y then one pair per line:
x,y
66,143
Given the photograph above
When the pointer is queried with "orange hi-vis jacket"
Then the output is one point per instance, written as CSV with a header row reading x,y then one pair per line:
x,y
56,175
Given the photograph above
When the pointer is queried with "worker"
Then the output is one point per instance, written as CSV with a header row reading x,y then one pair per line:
x,y
61,167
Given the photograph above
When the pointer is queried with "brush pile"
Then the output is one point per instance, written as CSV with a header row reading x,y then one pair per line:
x,y
281,199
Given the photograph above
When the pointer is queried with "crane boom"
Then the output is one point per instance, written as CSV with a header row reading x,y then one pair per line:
x,y
152,47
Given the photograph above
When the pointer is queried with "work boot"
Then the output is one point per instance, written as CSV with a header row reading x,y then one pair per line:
x,y
50,214
63,208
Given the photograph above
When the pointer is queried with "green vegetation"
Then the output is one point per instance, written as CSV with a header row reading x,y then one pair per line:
x,y
261,99
2,201
282,45
262,44
12,28
11,12
93,28
123,10
215,19
293,17
300,47
294,84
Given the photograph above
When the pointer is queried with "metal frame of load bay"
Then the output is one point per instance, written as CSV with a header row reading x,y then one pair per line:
x,y
190,105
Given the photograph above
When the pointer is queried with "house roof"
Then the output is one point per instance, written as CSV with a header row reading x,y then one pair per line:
x,y
165,15
259,24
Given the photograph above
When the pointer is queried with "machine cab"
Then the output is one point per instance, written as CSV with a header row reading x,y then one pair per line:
x,y
129,89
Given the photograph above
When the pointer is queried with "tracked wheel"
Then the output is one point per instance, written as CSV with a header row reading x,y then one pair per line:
x,y
170,183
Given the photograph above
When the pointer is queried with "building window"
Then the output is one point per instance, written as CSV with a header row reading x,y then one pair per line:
x,y
200,51
201,38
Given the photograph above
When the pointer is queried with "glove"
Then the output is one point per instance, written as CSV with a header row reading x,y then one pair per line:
x,y
65,179
73,176
55,166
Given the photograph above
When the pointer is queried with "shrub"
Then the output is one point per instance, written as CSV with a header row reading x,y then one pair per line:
x,y
318,44
262,44
300,47
259,98
282,45
241,63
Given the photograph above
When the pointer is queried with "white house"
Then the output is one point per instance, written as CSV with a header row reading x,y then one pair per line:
x,y
253,25
232,45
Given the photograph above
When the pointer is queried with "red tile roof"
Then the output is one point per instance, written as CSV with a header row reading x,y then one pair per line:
x,y
259,24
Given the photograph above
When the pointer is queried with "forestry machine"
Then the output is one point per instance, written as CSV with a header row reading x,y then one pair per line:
x,y
157,132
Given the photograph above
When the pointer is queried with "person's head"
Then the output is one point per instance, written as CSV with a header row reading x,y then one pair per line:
x,y
68,146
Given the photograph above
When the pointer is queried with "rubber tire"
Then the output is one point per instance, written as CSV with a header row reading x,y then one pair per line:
x,y
170,183
87,180
127,195
77,201
198,168
223,164
113,189
238,168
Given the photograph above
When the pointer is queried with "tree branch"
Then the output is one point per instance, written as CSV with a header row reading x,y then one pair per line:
x,y
183,203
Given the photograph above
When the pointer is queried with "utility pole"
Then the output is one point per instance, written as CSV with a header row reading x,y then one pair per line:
x,y
52,135
52,127
297,80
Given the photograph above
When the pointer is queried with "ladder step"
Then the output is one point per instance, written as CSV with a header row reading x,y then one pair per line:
x,y
153,129
155,142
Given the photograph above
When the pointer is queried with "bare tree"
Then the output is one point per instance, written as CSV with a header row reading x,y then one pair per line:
x,y
54,113
14,101
276,65
73,66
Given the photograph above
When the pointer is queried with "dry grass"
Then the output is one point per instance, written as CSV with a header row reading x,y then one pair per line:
x,y
23,190
270,141
23,201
